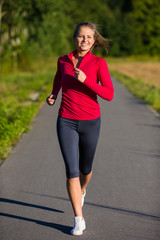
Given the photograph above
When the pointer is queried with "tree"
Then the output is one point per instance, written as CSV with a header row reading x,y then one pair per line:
x,y
32,28
146,14
2,13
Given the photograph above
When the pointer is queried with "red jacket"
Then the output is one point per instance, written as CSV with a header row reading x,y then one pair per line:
x,y
79,100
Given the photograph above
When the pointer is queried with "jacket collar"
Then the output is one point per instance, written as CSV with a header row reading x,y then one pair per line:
x,y
70,55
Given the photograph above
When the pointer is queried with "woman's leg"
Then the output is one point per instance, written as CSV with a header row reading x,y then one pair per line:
x,y
84,180
74,192
88,139
68,140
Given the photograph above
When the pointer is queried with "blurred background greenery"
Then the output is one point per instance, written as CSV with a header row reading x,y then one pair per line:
x,y
30,29
33,33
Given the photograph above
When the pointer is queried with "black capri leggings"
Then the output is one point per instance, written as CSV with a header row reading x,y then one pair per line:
x,y
78,140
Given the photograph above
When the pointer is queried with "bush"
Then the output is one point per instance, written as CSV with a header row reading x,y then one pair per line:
x,y
17,109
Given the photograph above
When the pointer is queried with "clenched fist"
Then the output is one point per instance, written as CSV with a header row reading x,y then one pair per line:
x,y
51,99
79,75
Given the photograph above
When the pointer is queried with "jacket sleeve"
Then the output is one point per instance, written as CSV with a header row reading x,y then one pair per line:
x,y
57,80
105,90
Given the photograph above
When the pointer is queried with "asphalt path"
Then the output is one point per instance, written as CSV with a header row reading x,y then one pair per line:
x,y
123,197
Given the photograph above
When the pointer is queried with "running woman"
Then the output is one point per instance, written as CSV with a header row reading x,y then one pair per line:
x,y
82,76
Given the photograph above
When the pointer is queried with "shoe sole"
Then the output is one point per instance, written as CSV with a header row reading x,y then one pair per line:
x,y
77,234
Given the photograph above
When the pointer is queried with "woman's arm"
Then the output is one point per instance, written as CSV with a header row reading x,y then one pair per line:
x,y
57,81
56,86
105,90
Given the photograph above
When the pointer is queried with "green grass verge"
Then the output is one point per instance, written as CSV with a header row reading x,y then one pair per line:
x,y
133,59
149,93
17,108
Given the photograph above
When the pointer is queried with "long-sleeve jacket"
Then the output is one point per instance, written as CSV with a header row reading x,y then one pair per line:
x,y
79,100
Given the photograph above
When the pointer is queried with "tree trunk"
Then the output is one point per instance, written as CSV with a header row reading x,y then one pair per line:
x,y
1,15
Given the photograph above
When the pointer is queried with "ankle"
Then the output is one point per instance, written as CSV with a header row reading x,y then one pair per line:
x,y
83,191
79,216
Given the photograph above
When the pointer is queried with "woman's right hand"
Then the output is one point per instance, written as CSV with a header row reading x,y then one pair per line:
x,y
50,100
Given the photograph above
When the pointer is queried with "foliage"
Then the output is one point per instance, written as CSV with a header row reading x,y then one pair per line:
x,y
17,108
33,28
147,27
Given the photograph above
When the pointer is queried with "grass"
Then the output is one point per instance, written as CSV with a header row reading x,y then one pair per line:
x,y
17,105
140,75
147,92
133,59
149,72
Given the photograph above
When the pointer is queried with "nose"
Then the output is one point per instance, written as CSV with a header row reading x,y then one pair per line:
x,y
84,38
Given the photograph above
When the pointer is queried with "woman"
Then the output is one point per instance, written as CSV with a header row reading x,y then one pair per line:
x,y
78,124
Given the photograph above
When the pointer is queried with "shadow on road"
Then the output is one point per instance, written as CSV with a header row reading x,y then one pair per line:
x,y
116,209
63,228
121,210
148,125
29,205
141,214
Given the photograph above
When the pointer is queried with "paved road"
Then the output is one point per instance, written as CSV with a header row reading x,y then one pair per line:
x,y
123,198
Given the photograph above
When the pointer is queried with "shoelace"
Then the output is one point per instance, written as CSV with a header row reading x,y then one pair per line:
x,y
77,226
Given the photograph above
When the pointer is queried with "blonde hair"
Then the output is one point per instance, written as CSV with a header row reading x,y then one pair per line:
x,y
99,40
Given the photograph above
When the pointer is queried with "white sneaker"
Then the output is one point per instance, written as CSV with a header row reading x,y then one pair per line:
x,y
83,196
79,226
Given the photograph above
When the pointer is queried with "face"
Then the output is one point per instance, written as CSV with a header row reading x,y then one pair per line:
x,y
85,39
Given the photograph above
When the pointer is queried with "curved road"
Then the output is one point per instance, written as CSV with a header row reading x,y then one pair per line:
x,y
123,197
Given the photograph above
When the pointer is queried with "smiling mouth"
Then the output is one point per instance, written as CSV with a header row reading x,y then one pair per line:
x,y
84,44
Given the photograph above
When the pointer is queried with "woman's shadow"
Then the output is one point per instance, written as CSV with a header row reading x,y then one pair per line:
x,y
63,228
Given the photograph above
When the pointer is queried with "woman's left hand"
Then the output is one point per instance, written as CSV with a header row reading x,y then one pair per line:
x,y
79,75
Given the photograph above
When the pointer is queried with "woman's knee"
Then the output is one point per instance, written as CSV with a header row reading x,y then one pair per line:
x,y
73,180
85,171
72,174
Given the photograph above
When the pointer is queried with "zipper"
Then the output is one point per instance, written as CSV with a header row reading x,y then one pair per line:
x,y
70,58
